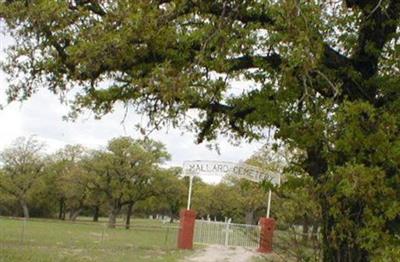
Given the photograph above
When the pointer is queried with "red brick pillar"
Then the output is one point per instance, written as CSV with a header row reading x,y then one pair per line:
x,y
266,234
186,229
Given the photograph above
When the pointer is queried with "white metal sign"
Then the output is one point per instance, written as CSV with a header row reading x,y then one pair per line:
x,y
221,168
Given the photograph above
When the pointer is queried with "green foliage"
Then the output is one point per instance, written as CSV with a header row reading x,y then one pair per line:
x,y
22,166
241,200
68,179
323,77
125,172
169,194
362,185
76,180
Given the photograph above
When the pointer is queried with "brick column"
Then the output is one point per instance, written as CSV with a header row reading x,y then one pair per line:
x,y
266,234
186,229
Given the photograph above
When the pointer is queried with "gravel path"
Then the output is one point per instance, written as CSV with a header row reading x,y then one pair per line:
x,y
215,253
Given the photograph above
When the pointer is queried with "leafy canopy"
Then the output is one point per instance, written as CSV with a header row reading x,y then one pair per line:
x,y
323,75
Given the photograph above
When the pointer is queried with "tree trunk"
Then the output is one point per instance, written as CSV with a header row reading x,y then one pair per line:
x,y
174,210
24,208
306,224
112,217
335,249
344,249
314,235
171,216
61,213
249,217
96,214
75,213
128,215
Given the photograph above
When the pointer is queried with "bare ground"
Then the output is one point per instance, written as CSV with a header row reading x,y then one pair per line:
x,y
216,253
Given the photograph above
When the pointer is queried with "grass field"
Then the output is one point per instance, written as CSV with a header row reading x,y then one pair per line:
x,y
52,240
147,240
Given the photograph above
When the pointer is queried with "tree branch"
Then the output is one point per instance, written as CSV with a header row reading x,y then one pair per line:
x,y
377,28
240,14
91,5
246,62
231,113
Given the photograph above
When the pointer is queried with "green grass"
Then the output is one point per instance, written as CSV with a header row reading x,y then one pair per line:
x,y
52,240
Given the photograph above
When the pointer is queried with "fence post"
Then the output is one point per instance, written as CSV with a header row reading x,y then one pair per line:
x,y
23,231
266,234
227,231
166,235
186,229
103,231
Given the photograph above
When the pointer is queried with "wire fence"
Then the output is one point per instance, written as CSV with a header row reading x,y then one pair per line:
x,y
289,241
143,233
292,243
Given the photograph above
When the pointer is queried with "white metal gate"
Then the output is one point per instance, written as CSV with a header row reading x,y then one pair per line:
x,y
226,233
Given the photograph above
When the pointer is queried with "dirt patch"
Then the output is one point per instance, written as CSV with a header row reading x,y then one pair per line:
x,y
215,253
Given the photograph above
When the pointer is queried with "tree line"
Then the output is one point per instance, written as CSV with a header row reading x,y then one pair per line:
x,y
75,179
123,178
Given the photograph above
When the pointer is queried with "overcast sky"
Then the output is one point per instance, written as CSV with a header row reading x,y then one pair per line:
x,y
42,116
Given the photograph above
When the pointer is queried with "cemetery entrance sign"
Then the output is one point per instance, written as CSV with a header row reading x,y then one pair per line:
x,y
220,168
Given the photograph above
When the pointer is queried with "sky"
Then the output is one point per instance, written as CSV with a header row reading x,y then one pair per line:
x,y
42,116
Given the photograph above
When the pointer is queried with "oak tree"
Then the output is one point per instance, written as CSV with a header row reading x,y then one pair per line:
x,y
322,75
123,173
22,166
